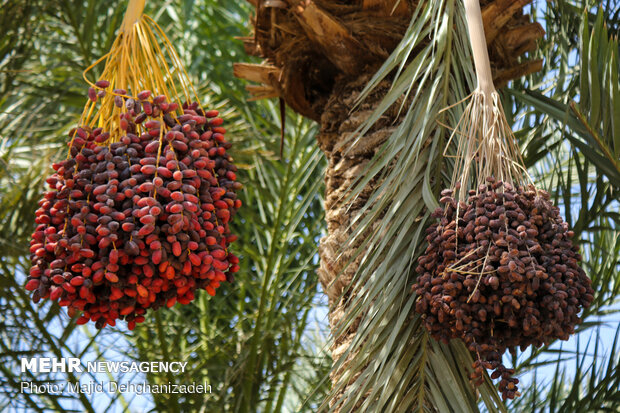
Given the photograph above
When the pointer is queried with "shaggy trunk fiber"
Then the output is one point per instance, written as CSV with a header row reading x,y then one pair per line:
x,y
347,163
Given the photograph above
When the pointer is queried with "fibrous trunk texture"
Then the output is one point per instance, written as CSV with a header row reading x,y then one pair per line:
x,y
346,164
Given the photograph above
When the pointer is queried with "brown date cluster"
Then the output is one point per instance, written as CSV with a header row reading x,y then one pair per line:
x,y
139,223
505,274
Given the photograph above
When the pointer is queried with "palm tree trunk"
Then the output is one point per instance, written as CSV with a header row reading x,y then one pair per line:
x,y
346,164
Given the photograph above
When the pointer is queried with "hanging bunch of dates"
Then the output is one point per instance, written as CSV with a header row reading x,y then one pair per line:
x,y
140,221
500,272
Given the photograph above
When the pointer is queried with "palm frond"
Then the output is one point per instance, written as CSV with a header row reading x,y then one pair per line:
x,y
593,124
571,149
582,378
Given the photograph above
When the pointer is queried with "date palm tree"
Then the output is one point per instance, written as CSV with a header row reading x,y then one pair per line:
x,y
376,75
364,83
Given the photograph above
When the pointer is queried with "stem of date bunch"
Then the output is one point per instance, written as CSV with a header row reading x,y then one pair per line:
x,y
479,48
132,15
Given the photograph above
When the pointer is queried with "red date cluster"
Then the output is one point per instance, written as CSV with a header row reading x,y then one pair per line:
x,y
139,223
